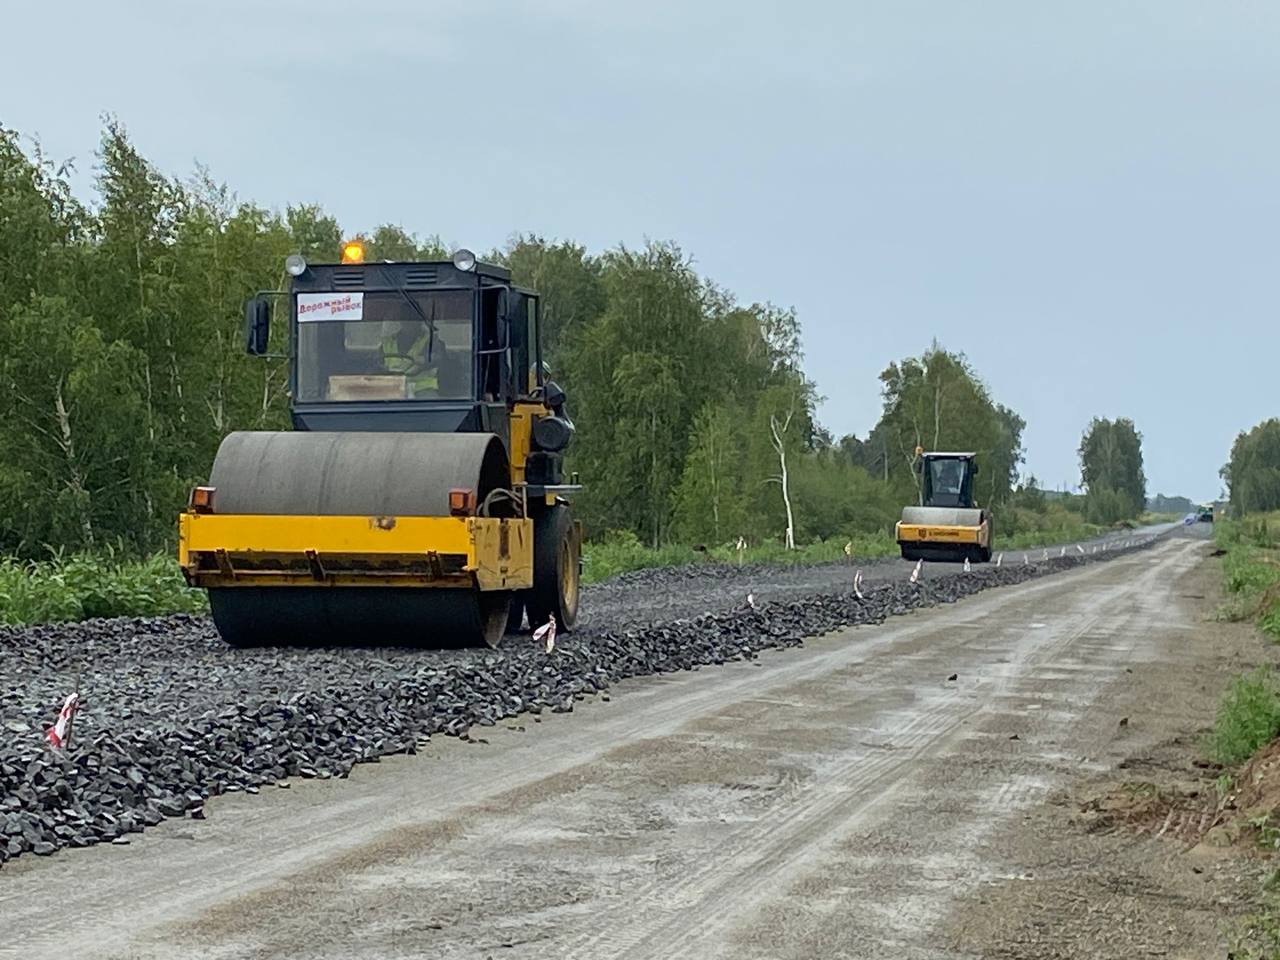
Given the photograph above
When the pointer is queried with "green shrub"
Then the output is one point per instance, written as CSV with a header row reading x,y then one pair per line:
x,y
1106,506
1250,572
1043,538
82,586
1248,717
1246,570
620,551
1029,523
1269,615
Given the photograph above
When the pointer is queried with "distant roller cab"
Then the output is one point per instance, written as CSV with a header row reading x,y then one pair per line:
x,y
420,498
947,525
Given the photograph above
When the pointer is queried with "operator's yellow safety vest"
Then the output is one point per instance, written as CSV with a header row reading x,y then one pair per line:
x,y
421,381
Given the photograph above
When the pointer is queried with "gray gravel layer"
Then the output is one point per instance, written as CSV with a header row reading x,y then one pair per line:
x,y
173,716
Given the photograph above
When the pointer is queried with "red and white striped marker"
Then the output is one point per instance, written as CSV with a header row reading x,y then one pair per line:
x,y
966,565
857,584
999,559
547,633
57,734
915,574
751,600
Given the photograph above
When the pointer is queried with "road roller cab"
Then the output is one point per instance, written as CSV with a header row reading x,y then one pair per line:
x,y
948,524
421,496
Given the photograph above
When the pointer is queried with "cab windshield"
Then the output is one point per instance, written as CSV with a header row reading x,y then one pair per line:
x,y
947,483
376,346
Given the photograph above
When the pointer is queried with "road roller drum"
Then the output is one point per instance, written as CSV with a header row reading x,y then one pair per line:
x,y
388,478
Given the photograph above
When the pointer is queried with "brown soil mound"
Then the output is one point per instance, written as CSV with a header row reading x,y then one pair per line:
x,y
1182,812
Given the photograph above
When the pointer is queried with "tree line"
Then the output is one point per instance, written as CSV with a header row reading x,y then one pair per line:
x,y
1252,474
122,368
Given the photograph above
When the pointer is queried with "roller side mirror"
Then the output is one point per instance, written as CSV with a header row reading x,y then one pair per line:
x,y
257,326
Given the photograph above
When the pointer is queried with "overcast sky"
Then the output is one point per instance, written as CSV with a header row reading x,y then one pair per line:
x,y
1081,196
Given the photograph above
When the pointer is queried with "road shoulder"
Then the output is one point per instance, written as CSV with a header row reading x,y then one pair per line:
x,y
1115,864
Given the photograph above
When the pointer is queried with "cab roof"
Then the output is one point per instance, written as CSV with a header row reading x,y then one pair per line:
x,y
374,275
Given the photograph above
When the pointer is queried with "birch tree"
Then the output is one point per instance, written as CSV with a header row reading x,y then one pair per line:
x,y
709,499
1111,470
777,438
937,402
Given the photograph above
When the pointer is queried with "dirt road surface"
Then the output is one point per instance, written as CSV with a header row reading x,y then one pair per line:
x,y
837,800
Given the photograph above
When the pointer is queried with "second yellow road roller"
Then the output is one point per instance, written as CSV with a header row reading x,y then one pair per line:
x,y
421,498
947,525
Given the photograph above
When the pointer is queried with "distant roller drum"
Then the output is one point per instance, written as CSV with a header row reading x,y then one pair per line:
x,y
961,517
348,474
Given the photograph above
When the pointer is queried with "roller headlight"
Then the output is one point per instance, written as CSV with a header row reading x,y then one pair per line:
x,y
295,264
552,434
464,260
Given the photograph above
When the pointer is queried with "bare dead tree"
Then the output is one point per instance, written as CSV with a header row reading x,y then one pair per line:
x,y
75,477
777,433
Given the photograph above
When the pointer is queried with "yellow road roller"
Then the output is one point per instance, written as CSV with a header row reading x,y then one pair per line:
x,y
420,498
948,525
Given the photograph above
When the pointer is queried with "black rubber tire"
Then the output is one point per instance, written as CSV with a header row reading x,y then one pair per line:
x,y
556,562
359,616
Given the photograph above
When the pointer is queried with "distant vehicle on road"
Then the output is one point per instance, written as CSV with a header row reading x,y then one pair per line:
x,y
1205,515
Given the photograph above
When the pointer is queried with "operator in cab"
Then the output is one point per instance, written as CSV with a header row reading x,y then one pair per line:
x,y
949,478
429,368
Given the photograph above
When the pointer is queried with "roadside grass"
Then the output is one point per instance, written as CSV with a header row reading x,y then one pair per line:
x,y
1260,937
1026,539
82,586
1251,570
1248,717
1249,714
1022,527
622,552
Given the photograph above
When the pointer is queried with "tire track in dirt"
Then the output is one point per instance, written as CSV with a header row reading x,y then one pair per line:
x,y
688,918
